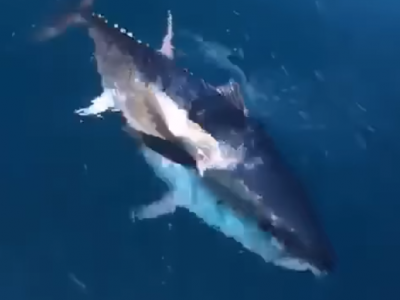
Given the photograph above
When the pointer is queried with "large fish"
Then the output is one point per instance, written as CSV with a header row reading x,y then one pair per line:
x,y
239,185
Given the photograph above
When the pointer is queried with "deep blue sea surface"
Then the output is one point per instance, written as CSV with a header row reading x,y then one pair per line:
x,y
325,77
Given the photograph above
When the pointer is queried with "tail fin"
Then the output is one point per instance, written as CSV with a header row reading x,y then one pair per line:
x,y
62,23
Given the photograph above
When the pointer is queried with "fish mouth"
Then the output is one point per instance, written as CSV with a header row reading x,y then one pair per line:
x,y
324,265
319,260
293,263
319,264
296,264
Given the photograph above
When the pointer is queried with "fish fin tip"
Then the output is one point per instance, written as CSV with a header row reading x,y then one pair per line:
x,y
166,205
63,22
167,48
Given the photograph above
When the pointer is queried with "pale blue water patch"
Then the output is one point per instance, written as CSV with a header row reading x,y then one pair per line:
x,y
187,192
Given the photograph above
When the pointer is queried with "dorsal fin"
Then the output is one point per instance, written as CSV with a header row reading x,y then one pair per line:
x,y
231,92
167,47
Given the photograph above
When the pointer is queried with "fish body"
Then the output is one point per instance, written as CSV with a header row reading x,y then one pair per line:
x,y
237,182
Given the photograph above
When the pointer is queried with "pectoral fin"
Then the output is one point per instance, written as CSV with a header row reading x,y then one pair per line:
x,y
136,135
173,150
156,209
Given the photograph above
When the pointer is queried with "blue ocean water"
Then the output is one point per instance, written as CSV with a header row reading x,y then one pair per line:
x,y
326,74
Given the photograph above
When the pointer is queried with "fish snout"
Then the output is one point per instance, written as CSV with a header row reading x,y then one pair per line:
x,y
312,249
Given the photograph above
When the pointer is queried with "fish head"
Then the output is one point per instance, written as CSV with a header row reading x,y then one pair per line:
x,y
303,248
282,206
262,187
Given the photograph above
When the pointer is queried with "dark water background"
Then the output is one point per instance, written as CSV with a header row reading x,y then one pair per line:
x,y
67,185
